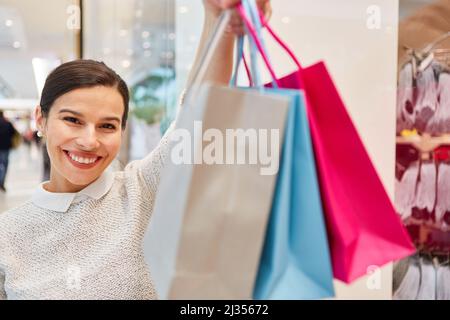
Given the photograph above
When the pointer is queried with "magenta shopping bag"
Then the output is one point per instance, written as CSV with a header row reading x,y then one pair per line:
x,y
363,227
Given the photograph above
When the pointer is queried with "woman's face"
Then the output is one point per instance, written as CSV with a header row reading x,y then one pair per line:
x,y
83,136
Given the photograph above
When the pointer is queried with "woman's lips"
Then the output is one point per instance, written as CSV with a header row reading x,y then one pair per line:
x,y
81,159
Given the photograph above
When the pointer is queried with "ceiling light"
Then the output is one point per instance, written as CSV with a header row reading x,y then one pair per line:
x,y
183,9
286,20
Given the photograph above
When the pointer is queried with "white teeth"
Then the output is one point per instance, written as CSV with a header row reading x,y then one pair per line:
x,y
81,159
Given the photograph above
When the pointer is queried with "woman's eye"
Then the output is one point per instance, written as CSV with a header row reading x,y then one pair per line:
x,y
72,119
109,126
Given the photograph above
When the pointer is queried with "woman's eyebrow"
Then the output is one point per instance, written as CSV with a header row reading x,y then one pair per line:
x,y
81,115
71,111
111,119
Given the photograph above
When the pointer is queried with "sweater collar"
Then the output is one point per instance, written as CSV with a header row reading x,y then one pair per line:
x,y
60,202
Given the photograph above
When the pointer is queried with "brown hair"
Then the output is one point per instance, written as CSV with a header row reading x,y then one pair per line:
x,y
81,74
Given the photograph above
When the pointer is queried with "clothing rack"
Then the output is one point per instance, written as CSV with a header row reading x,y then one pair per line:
x,y
432,238
424,142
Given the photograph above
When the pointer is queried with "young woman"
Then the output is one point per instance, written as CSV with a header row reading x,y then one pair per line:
x,y
80,236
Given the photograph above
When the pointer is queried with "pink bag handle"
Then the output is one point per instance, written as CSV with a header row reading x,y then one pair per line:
x,y
247,70
252,32
280,41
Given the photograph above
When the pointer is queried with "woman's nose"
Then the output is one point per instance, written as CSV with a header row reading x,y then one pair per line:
x,y
88,139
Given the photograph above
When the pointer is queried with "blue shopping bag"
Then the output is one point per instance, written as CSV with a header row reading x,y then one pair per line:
x,y
295,262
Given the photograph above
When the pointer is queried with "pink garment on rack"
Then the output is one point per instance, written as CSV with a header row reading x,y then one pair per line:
x,y
440,123
443,193
426,187
427,98
405,99
405,190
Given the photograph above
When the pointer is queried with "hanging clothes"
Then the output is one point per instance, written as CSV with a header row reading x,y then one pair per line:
x,y
420,277
423,147
427,97
405,191
425,198
405,99
440,122
443,282
423,172
443,195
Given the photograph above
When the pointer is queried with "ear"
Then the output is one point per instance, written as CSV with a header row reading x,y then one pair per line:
x,y
40,119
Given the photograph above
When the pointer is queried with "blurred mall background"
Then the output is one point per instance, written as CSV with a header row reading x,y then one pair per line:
x,y
134,37
150,43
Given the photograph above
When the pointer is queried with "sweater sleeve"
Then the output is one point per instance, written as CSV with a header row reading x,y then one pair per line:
x,y
149,169
2,286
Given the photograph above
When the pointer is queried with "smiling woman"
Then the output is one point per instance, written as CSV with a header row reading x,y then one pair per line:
x,y
80,236
84,106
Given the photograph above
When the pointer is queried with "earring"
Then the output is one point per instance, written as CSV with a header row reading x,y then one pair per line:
x,y
39,134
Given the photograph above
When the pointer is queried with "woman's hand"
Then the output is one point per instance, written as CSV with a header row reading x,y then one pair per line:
x,y
221,65
215,7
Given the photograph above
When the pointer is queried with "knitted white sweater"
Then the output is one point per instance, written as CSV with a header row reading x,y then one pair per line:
x,y
92,251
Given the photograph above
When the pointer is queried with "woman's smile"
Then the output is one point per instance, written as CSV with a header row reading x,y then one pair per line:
x,y
82,160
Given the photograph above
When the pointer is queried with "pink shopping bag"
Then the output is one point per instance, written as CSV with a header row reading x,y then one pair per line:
x,y
363,227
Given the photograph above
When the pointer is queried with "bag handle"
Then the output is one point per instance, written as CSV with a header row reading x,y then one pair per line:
x,y
280,42
206,55
257,42
250,8
275,37
239,58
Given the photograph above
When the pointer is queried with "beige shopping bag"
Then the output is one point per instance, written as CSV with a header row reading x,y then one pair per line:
x,y
208,226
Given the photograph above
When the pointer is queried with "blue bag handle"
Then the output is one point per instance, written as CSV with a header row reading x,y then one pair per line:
x,y
252,11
